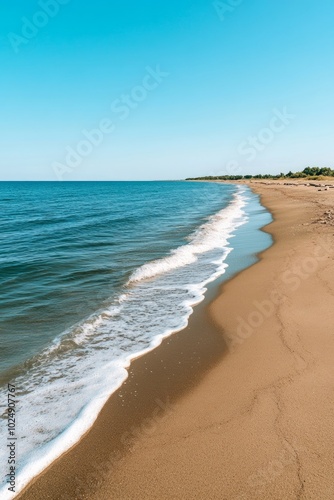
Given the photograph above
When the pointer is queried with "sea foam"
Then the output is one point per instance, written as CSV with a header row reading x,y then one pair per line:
x,y
68,383
211,235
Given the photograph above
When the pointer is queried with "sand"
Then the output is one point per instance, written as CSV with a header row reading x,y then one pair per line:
x,y
239,409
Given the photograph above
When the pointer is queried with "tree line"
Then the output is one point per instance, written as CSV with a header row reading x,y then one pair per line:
x,y
307,173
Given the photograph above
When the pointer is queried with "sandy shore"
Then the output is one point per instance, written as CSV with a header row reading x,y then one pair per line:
x,y
253,420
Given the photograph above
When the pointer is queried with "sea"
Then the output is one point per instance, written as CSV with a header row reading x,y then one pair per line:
x,y
92,275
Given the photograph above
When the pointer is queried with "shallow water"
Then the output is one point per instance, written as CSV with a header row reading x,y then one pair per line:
x,y
93,274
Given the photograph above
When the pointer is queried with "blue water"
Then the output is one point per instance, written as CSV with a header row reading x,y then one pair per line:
x,y
93,274
65,248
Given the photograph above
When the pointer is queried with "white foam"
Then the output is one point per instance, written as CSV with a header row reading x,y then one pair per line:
x,y
69,383
213,234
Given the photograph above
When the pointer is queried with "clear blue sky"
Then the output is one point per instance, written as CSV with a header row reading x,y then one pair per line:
x,y
180,88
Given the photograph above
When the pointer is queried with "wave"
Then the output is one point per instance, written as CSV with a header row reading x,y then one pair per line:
x,y
89,362
209,236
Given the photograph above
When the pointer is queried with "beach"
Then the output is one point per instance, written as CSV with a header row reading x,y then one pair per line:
x,y
239,405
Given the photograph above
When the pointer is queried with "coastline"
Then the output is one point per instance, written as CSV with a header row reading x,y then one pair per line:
x,y
156,381
190,432
131,321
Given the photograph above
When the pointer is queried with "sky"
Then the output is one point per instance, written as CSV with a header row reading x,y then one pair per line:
x,y
128,90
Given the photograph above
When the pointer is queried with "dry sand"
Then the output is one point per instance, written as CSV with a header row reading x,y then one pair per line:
x,y
253,423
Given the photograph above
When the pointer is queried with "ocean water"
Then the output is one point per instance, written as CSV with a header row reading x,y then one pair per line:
x,y
94,274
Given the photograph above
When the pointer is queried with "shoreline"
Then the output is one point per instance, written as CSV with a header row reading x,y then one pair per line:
x,y
147,396
175,357
227,197
152,430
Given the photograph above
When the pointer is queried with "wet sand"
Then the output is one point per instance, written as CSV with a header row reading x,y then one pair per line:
x,y
156,382
240,405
